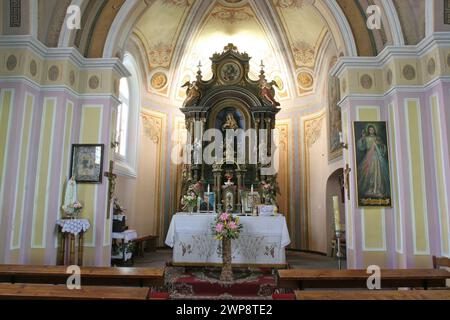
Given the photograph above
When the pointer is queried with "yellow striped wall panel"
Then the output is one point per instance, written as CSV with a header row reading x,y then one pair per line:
x,y
90,133
22,173
417,178
39,226
440,176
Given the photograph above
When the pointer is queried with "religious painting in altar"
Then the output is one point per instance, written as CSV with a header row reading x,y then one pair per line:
x,y
334,119
372,164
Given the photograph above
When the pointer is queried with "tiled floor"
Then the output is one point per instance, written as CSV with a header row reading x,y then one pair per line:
x,y
297,260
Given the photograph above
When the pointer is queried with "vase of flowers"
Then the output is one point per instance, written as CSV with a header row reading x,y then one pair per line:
x,y
226,227
74,210
189,202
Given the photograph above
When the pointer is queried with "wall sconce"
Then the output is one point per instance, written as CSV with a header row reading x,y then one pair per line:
x,y
341,140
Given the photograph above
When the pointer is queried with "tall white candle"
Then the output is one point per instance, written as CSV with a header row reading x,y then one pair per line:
x,y
251,190
337,214
208,188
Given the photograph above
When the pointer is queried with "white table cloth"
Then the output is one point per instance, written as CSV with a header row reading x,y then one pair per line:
x,y
262,240
127,235
73,226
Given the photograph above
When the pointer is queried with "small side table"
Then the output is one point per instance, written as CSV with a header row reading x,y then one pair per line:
x,y
70,229
124,254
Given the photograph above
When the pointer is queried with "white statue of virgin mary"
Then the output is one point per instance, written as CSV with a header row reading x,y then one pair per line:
x,y
70,197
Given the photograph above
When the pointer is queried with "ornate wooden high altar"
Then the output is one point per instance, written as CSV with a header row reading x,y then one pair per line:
x,y
230,100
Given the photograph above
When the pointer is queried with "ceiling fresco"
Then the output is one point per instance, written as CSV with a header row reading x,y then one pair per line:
x,y
237,22
240,25
304,28
159,29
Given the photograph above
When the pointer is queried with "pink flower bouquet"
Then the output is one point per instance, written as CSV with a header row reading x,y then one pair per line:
x,y
226,226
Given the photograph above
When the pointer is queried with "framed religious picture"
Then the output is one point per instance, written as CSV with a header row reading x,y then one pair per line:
x,y
208,202
372,164
87,163
230,72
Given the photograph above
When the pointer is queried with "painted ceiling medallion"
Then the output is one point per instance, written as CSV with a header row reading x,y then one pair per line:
x,y
94,82
409,72
159,80
305,80
11,63
279,82
389,77
53,73
431,66
33,68
366,82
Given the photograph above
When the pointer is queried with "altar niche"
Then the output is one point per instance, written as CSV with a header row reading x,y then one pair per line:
x,y
231,101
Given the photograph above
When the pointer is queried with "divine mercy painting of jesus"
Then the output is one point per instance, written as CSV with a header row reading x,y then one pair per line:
x,y
372,164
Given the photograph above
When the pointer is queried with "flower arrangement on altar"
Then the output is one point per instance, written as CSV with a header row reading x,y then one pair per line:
x,y
270,190
226,226
189,200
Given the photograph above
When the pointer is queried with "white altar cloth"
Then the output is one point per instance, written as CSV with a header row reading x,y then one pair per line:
x,y
262,240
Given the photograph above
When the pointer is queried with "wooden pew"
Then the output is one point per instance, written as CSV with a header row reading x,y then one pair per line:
x,y
374,295
97,276
417,278
441,262
147,243
61,292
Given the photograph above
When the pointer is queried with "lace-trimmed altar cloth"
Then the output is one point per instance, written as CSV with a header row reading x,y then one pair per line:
x,y
74,226
262,240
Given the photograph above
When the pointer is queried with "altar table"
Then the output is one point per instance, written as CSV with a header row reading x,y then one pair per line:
x,y
262,241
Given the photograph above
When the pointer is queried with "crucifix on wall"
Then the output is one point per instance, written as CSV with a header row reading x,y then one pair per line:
x,y
112,186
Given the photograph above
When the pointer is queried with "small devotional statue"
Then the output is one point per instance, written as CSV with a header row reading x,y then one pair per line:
x,y
268,92
230,123
193,93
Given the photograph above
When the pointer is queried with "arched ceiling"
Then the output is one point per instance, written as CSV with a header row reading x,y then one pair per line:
x,y
291,36
300,26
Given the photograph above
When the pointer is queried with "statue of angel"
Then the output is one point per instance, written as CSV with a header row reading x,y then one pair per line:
x,y
268,92
193,93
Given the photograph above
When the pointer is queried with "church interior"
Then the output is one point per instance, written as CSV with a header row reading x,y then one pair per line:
x,y
225,149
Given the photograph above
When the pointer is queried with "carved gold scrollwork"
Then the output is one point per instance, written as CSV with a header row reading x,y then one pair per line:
x,y
152,127
312,130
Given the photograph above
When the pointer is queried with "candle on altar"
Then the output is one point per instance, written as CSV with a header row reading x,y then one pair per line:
x,y
251,190
337,214
208,189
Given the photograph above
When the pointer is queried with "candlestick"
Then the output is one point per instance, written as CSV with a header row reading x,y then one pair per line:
x,y
208,189
337,215
251,190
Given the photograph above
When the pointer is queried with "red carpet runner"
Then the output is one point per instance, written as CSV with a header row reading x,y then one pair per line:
x,y
204,283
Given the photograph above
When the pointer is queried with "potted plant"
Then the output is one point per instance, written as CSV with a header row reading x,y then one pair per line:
x,y
225,228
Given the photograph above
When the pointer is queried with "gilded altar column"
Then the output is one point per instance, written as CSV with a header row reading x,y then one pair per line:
x,y
202,130
257,122
190,143
268,122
